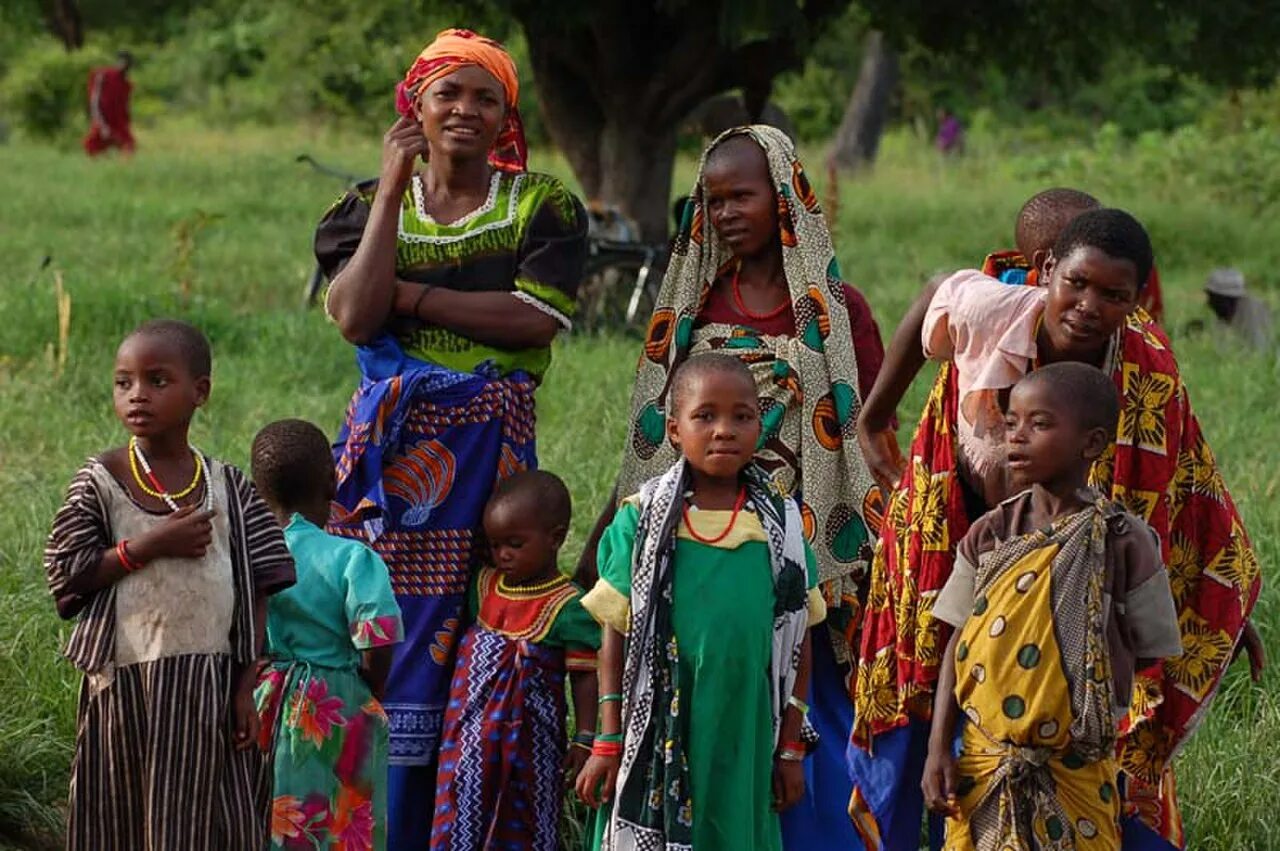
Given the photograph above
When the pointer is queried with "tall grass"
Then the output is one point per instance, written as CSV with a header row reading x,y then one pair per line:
x,y
114,230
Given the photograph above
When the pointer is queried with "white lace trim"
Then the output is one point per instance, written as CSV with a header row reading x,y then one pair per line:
x,y
533,301
490,203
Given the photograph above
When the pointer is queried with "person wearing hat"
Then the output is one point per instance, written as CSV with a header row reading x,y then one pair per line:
x,y
1248,317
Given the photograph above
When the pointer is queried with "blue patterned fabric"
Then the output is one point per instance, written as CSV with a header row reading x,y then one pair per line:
x,y
820,820
417,458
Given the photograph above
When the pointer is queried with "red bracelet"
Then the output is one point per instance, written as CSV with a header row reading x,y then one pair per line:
x,y
126,561
794,746
606,749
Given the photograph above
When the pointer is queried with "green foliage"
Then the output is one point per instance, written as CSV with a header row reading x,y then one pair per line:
x,y
814,97
1241,168
44,90
1122,87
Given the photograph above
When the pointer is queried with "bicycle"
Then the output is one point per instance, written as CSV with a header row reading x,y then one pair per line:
x,y
315,282
622,275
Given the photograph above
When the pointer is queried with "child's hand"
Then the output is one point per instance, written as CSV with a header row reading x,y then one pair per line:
x,y
788,783
597,779
186,533
939,783
245,712
574,761
1251,643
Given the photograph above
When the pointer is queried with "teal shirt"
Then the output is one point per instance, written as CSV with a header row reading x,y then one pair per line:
x,y
341,604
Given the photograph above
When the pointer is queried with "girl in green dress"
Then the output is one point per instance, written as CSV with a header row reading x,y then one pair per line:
x,y
706,592
329,643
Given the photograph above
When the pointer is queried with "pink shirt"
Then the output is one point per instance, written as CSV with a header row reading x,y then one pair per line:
x,y
988,330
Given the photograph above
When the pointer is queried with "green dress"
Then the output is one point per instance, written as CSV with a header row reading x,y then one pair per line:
x,y
723,622
327,732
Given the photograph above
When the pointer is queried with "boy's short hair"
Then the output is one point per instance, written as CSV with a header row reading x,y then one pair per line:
x,y
1114,232
1088,392
703,365
540,489
1046,214
189,340
292,463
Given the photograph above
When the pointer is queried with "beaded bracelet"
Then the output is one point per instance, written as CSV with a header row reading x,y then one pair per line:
x,y
792,752
606,698
798,704
584,737
126,560
606,748
609,738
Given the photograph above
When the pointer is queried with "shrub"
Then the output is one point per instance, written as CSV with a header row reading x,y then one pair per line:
x,y
44,88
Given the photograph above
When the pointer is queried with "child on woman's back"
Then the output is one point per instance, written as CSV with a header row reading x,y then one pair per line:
x,y
167,557
1057,596
329,641
503,755
706,592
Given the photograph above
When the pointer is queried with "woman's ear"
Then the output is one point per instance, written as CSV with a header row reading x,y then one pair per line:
x,y
1046,265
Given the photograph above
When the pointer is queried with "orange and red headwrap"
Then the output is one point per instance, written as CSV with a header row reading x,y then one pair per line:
x,y
454,49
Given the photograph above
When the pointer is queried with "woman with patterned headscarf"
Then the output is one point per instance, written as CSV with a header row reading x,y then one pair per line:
x,y
451,273
753,275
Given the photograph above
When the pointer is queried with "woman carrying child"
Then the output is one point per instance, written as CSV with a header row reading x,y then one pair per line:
x,y
1058,595
753,275
329,641
707,589
504,760
166,558
1159,467
452,280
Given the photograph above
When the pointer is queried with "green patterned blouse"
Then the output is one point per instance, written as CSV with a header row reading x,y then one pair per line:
x,y
528,238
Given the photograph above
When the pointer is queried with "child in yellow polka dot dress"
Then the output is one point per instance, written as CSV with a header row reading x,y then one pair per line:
x,y
1057,596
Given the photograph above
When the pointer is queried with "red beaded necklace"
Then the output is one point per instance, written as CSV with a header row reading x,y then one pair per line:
x,y
737,507
742,307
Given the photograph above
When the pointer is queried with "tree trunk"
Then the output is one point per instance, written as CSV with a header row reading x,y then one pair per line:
x,y
858,139
64,20
637,164
616,79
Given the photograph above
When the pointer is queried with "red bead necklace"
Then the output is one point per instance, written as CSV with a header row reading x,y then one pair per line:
x,y
747,312
737,507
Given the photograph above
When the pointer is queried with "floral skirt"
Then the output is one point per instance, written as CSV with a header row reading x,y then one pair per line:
x,y
328,736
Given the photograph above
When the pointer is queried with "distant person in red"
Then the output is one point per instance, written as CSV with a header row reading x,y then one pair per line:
x,y
109,90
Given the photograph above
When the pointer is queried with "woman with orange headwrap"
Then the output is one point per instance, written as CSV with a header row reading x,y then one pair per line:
x,y
451,280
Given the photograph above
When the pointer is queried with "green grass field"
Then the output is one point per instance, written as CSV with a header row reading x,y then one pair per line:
x,y
114,232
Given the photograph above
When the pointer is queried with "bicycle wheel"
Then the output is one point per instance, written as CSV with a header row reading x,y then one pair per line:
x,y
314,284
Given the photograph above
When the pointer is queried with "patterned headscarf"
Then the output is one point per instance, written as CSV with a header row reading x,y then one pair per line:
x,y
812,376
454,49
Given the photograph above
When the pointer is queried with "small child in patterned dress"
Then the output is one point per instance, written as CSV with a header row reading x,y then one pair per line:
x,y
329,641
503,755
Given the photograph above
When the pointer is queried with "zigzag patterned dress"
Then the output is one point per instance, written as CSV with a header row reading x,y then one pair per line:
x,y
500,779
